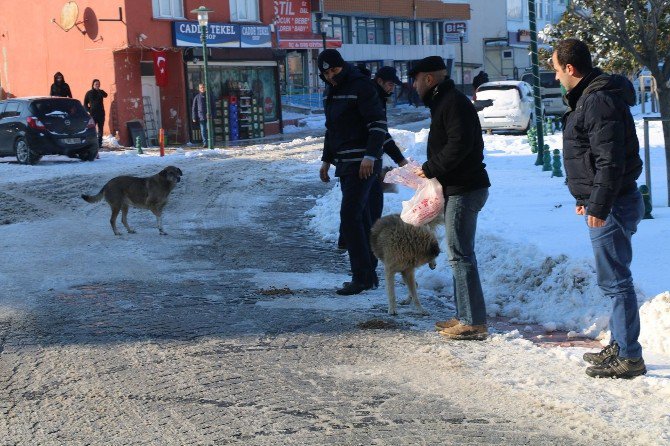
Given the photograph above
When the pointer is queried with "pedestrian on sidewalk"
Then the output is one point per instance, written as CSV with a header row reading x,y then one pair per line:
x,y
355,134
602,163
456,159
199,112
93,102
60,88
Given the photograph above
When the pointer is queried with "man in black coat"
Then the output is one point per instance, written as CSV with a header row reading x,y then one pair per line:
x,y
602,162
60,87
199,111
481,78
456,159
93,101
355,134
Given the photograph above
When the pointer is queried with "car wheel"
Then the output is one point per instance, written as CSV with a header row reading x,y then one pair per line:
x,y
89,155
23,153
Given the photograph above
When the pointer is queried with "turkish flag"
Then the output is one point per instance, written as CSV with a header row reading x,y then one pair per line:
x,y
160,68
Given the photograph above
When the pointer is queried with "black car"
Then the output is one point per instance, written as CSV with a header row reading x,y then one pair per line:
x,y
33,127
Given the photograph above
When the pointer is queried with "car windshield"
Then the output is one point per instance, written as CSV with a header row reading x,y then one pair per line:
x,y
547,80
510,89
59,108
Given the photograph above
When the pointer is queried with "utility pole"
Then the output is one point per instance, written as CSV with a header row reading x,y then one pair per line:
x,y
536,83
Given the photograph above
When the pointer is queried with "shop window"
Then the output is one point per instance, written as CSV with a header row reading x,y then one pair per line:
x,y
168,9
371,31
340,28
404,33
428,34
244,11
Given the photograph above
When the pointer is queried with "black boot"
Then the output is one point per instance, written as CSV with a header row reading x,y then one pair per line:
x,y
603,355
618,367
351,288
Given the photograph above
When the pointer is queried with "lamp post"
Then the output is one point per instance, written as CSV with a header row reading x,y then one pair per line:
x,y
323,22
203,20
461,35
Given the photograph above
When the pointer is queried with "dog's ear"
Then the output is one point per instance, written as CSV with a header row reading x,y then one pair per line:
x,y
180,172
163,172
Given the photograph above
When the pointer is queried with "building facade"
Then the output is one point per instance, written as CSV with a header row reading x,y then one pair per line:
x,y
148,57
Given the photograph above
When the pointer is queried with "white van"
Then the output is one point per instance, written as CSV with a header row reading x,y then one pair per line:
x,y
550,91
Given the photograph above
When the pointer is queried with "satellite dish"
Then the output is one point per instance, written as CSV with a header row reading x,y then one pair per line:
x,y
68,15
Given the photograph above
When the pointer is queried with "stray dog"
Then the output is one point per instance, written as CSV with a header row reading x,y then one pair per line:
x,y
403,248
146,193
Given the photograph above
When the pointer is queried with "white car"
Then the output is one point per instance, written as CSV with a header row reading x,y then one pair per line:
x,y
512,105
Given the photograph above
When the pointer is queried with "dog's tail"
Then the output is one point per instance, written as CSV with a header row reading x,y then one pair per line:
x,y
93,198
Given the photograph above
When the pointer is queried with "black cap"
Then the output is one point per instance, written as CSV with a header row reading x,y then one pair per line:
x,y
427,65
328,59
388,74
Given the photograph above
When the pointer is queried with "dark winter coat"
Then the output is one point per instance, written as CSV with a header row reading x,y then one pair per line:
x,y
355,123
455,143
600,145
199,107
390,147
481,78
93,101
60,89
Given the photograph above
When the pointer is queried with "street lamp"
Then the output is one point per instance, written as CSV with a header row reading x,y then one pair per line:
x,y
323,22
461,35
203,19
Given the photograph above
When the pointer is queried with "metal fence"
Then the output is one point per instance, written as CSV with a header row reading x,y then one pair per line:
x,y
303,96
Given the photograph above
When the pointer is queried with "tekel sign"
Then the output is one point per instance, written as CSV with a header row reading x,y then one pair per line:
x,y
219,35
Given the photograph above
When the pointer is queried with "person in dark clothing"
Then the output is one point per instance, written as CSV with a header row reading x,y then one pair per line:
x,y
199,111
59,87
355,134
93,101
385,81
481,78
456,158
602,162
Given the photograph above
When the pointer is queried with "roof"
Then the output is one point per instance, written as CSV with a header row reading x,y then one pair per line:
x,y
501,83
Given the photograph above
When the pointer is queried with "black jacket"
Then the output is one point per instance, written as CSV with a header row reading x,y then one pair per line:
x,y
390,147
355,122
600,145
455,143
60,89
94,104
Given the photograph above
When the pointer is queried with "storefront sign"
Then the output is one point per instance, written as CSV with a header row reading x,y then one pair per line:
x,y
307,41
292,16
219,35
523,35
255,36
452,32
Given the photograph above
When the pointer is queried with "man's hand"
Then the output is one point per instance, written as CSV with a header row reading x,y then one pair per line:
x,y
323,172
195,120
580,210
367,166
420,173
595,222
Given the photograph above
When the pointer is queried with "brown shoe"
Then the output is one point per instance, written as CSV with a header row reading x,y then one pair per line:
x,y
466,332
441,325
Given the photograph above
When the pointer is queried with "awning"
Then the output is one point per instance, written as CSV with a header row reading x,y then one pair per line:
x,y
307,41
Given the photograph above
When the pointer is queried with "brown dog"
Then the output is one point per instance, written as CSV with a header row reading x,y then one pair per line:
x,y
146,193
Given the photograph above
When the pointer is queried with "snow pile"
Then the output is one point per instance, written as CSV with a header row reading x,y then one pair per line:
x,y
655,324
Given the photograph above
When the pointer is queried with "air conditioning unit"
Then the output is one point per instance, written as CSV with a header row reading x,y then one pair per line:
x,y
507,54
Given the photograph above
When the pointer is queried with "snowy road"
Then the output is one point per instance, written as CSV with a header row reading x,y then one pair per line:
x,y
227,331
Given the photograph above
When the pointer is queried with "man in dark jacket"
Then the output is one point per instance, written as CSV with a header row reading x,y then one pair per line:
x,y
59,87
602,161
481,78
199,111
93,101
456,159
355,134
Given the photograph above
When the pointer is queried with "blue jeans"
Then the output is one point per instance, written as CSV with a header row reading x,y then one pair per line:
x,y
203,131
613,253
355,226
460,220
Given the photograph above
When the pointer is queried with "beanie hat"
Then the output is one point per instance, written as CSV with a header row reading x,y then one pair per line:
x,y
328,59
427,65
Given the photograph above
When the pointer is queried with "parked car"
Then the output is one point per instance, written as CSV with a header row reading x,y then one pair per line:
x,y
550,92
33,127
512,105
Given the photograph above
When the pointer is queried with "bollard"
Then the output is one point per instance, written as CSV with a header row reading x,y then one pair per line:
x,y
646,199
161,141
532,139
557,172
138,145
546,165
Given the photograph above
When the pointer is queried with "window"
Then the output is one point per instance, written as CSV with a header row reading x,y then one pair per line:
x,y
244,11
168,9
371,31
340,28
404,33
428,34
